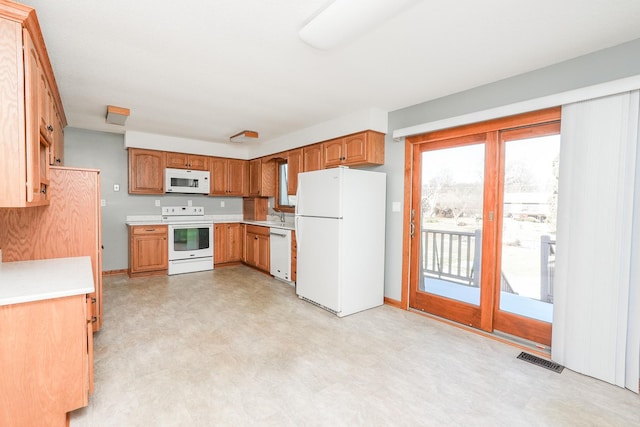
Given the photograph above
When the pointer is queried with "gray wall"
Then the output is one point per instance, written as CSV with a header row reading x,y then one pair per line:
x,y
606,65
105,151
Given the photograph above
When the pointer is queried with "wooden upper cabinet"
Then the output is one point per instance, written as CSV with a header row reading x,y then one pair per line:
x,y
262,178
28,89
363,148
146,171
312,158
295,164
228,177
187,161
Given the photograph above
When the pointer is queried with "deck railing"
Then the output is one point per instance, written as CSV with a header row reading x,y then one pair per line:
x,y
455,256
451,255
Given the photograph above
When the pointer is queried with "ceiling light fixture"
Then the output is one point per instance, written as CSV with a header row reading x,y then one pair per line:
x,y
244,136
117,115
344,20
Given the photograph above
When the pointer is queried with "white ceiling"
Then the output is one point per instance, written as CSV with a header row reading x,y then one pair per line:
x,y
209,69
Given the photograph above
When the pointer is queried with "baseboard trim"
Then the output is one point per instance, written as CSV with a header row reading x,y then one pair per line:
x,y
115,272
393,302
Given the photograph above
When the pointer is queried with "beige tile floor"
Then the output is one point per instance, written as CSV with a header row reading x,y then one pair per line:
x,y
234,347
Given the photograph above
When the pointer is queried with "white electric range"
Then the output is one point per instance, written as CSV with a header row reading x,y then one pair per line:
x,y
190,239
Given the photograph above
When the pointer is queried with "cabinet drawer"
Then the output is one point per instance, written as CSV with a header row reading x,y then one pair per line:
x,y
257,229
148,229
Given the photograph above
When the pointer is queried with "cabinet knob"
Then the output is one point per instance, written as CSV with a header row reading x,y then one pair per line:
x,y
50,128
58,160
44,190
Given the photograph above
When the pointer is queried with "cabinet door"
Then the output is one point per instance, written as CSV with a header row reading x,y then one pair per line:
x,y
219,175
255,177
251,247
45,107
312,158
333,152
220,243
37,148
234,242
177,161
355,149
200,163
237,177
146,171
57,151
263,255
294,165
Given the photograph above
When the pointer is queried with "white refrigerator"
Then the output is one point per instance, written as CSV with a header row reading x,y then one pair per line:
x,y
340,233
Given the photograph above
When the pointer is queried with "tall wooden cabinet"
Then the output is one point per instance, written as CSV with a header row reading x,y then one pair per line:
x,y
29,98
146,171
70,226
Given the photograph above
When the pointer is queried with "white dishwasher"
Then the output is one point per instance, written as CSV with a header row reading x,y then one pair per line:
x,y
280,253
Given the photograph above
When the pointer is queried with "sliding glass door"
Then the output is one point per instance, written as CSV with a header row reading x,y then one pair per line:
x,y
483,226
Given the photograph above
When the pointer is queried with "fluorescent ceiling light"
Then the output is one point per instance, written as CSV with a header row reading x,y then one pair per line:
x,y
117,115
345,20
244,136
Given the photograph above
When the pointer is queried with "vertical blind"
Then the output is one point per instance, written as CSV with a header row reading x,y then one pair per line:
x,y
596,328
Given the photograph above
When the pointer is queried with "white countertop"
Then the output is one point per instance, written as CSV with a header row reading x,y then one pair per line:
x,y
157,220
25,281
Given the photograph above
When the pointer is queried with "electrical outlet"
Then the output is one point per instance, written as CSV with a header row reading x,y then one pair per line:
x,y
103,202
222,203
157,203
116,187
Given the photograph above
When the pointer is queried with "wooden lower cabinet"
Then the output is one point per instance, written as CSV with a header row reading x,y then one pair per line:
x,y
227,247
148,250
47,368
256,247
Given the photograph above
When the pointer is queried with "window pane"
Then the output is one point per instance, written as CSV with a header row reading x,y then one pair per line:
x,y
529,226
284,184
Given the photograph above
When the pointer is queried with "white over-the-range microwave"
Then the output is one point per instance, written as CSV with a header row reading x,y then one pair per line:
x,y
186,181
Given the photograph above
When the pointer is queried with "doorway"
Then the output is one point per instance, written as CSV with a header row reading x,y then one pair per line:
x,y
482,224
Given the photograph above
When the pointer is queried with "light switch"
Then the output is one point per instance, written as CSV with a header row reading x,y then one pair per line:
x,y
157,203
116,187
222,203
395,207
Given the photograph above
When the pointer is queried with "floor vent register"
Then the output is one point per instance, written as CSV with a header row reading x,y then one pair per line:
x,y
547,364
